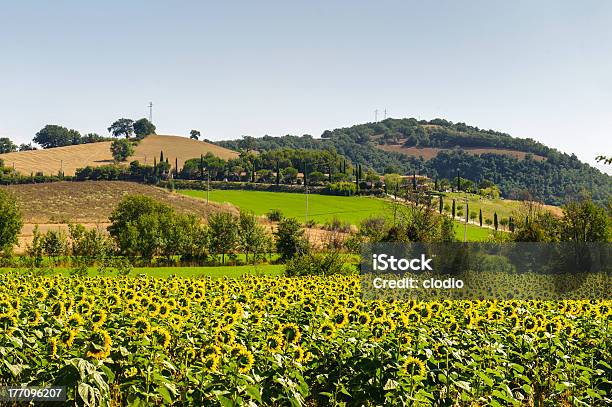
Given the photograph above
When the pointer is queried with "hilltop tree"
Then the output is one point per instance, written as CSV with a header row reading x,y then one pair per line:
x,y
604,159
7,146
122,127
52,136
194,135
480,217
495,221
92,138
10,222
143,128
26,147
121,149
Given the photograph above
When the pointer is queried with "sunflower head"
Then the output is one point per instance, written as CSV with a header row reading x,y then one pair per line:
x,y
244,360
328,330
97,318
291,332
274,343
141,326
161,336
99,345
413,367
298,353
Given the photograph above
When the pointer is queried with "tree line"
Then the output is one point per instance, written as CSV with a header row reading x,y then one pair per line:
x,y
53,135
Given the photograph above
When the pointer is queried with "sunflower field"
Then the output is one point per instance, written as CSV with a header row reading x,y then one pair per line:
x,y
279,341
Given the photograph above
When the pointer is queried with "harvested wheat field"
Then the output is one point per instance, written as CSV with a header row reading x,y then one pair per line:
x,y
93,201
70,158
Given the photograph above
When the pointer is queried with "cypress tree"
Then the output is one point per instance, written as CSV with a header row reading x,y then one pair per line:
x,y
176,167
511,224
436,184
453,210
441,204
495,223
480,217
155,166
414,184
161,157
458,181
467,212
277,173
201,166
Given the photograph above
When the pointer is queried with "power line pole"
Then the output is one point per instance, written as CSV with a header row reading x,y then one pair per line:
x,y
306,188
207,185
151,112
466,219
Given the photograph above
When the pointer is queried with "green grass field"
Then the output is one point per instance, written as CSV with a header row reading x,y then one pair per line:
x,y
474,233
321,208
504,207
191,272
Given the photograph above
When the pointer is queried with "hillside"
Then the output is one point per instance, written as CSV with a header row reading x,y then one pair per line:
x,y
431,152
438,148
92,201
70,158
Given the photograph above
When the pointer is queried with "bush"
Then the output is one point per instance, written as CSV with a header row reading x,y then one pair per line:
x,y
10,222
341,189
275,215
322,264
337,225
121,149
144,228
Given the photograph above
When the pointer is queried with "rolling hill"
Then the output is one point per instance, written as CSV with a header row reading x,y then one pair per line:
x,y
52,206
93,201
438,148
70,158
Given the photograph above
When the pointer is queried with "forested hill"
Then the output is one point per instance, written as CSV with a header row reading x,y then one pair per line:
x,y
438,148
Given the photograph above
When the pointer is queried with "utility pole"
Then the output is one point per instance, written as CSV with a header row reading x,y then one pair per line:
x,y
466,219
306,189
151,112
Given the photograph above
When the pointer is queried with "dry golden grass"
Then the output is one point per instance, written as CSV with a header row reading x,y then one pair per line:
x,y
93,201
70,158
430,152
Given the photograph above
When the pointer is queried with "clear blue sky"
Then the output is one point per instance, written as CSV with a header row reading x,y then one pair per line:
x,y
540,69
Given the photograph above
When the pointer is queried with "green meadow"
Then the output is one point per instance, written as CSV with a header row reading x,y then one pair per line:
x,y
321,208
